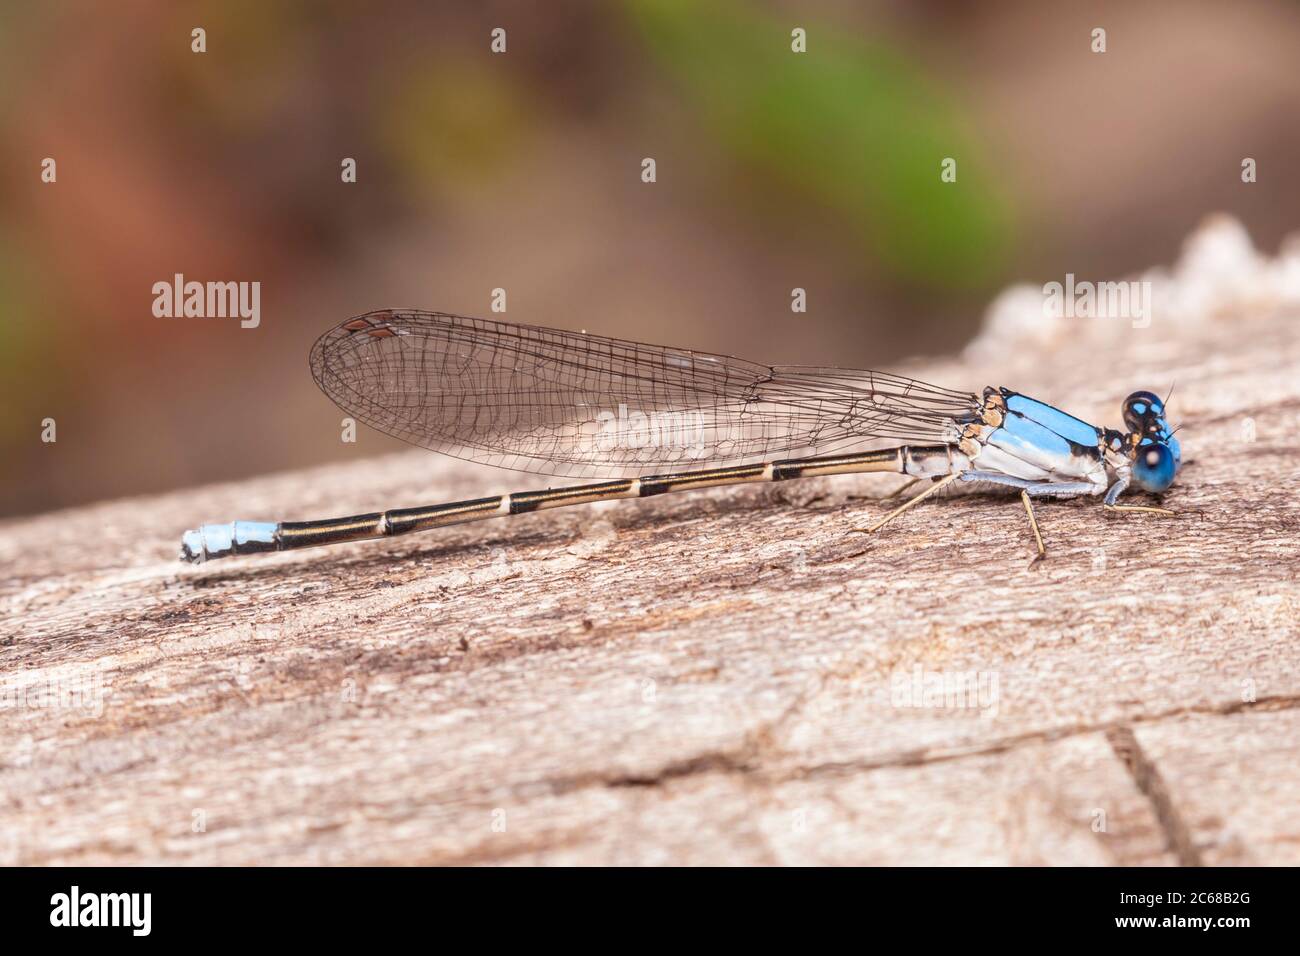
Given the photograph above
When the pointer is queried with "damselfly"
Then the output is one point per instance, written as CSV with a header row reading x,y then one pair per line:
x,y
571,404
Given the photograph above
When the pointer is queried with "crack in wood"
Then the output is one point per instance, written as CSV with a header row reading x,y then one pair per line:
x,y
1146,775
747,760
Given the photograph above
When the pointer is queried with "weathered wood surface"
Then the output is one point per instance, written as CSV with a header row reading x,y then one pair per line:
x,y
706,678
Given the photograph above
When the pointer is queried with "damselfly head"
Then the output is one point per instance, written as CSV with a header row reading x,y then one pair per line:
x,y
1141,407
1156,453
1144,414
1154,466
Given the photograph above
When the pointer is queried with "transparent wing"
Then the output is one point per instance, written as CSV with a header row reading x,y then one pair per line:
x,y
577,405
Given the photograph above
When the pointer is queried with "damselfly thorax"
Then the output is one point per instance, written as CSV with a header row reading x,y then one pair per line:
x,y
651,420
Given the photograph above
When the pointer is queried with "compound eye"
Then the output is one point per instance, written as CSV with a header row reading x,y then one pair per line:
x,y
1154,467
1141,408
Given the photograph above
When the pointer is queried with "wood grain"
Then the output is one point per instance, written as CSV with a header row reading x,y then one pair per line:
x,y
717,677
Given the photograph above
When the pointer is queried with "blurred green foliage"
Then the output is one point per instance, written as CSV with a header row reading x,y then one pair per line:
x,y
452,124
20,362
851,124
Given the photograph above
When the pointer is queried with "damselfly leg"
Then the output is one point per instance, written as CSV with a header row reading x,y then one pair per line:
x,y
1144,508
911,502
902,489
1033,523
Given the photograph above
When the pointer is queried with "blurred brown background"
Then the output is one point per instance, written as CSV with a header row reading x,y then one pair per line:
x,y
522,171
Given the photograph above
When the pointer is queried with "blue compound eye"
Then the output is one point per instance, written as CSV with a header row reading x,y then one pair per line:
x,y
1154,467
1140,408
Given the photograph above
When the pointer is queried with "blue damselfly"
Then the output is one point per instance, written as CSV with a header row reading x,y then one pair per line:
x,y
651,420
